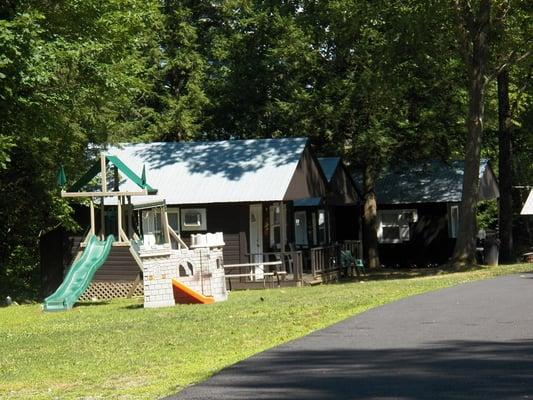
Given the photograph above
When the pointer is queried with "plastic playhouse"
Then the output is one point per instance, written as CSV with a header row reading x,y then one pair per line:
x,y
172,271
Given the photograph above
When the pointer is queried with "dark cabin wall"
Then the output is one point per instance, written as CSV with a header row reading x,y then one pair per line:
x,y
488,185
344,222
51,248
307,180
232,220
58,248
347,222
344,209
430,242
342,190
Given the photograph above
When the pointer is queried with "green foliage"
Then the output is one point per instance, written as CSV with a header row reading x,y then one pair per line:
x,y
171,107
487,215
6,143
377,82
69,71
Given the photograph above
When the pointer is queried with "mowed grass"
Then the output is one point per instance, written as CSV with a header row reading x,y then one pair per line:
x,y
119,350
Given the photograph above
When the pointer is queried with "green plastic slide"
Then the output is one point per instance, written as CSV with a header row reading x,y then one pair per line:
x,y
80,275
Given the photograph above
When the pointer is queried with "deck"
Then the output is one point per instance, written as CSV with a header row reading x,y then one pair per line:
x,y
293,268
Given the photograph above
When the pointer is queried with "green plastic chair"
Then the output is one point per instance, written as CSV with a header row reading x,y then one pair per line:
x,y
349,261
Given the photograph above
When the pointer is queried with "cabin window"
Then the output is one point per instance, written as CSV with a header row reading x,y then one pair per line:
x,y
300,228
394,226
321,224
193,219
454,221
275,226
174,219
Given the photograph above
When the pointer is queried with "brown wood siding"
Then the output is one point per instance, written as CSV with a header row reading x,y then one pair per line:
x,y
347,222
488,185
341,188
232,250
308,179
232,220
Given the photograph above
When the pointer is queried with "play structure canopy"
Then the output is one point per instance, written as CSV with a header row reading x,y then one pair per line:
x,y
97,167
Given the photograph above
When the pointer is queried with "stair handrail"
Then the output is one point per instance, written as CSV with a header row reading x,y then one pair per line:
x,y
177,238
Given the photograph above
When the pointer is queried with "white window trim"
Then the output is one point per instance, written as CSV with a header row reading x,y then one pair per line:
x,y
203,221
414,213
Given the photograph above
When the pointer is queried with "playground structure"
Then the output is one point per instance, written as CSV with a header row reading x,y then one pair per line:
x,y
173,272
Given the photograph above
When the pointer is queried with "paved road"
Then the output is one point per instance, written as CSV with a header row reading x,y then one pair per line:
x,y
473,341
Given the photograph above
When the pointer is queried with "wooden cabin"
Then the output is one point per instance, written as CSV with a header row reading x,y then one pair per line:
x,y
250,190
322,224
418,211
256,192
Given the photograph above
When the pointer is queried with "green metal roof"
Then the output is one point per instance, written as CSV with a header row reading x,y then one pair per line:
x,y
253,170
329,166
426,182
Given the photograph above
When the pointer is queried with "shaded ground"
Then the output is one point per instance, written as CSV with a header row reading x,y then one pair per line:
x,y
473,341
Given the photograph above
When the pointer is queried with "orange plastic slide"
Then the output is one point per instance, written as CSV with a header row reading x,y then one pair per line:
x,y
185,295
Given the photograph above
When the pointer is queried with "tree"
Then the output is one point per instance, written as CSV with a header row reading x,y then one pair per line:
x,y
364,80
489,40
69,72
473,27
513,55
172,107
385,85
505,168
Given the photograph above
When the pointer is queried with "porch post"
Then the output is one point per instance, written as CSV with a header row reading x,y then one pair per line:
x,y
166,232
102,219
283,230
103,172
91,202
119,217
103,175
130,218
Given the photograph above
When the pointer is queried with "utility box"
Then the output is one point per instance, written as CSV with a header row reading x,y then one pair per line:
x,y
491,251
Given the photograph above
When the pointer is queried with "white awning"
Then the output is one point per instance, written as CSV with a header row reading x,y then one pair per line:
x,y
528,207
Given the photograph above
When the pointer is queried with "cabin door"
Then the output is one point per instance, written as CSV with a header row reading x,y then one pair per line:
x,y
300,228
256,239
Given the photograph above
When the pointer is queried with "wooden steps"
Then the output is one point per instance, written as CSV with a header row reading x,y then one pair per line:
x,y
119,266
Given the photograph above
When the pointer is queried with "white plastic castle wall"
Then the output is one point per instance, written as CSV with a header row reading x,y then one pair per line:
x,y
200,268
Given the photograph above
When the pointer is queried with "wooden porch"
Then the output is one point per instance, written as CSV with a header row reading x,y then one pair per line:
x,y
292,268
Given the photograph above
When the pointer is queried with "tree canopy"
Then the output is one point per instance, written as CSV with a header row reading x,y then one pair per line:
x,y
370,81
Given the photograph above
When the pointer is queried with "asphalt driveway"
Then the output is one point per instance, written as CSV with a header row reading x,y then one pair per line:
x,y
473,341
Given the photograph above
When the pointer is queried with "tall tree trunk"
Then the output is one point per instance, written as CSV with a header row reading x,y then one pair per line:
x,y
464,252
370,218
505,168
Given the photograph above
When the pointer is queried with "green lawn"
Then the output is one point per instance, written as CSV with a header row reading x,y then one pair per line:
x,y
120,350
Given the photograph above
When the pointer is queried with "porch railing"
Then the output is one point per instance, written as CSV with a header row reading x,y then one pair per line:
x,y
354,246
318,260
323,259
292,262
258,271
326,259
